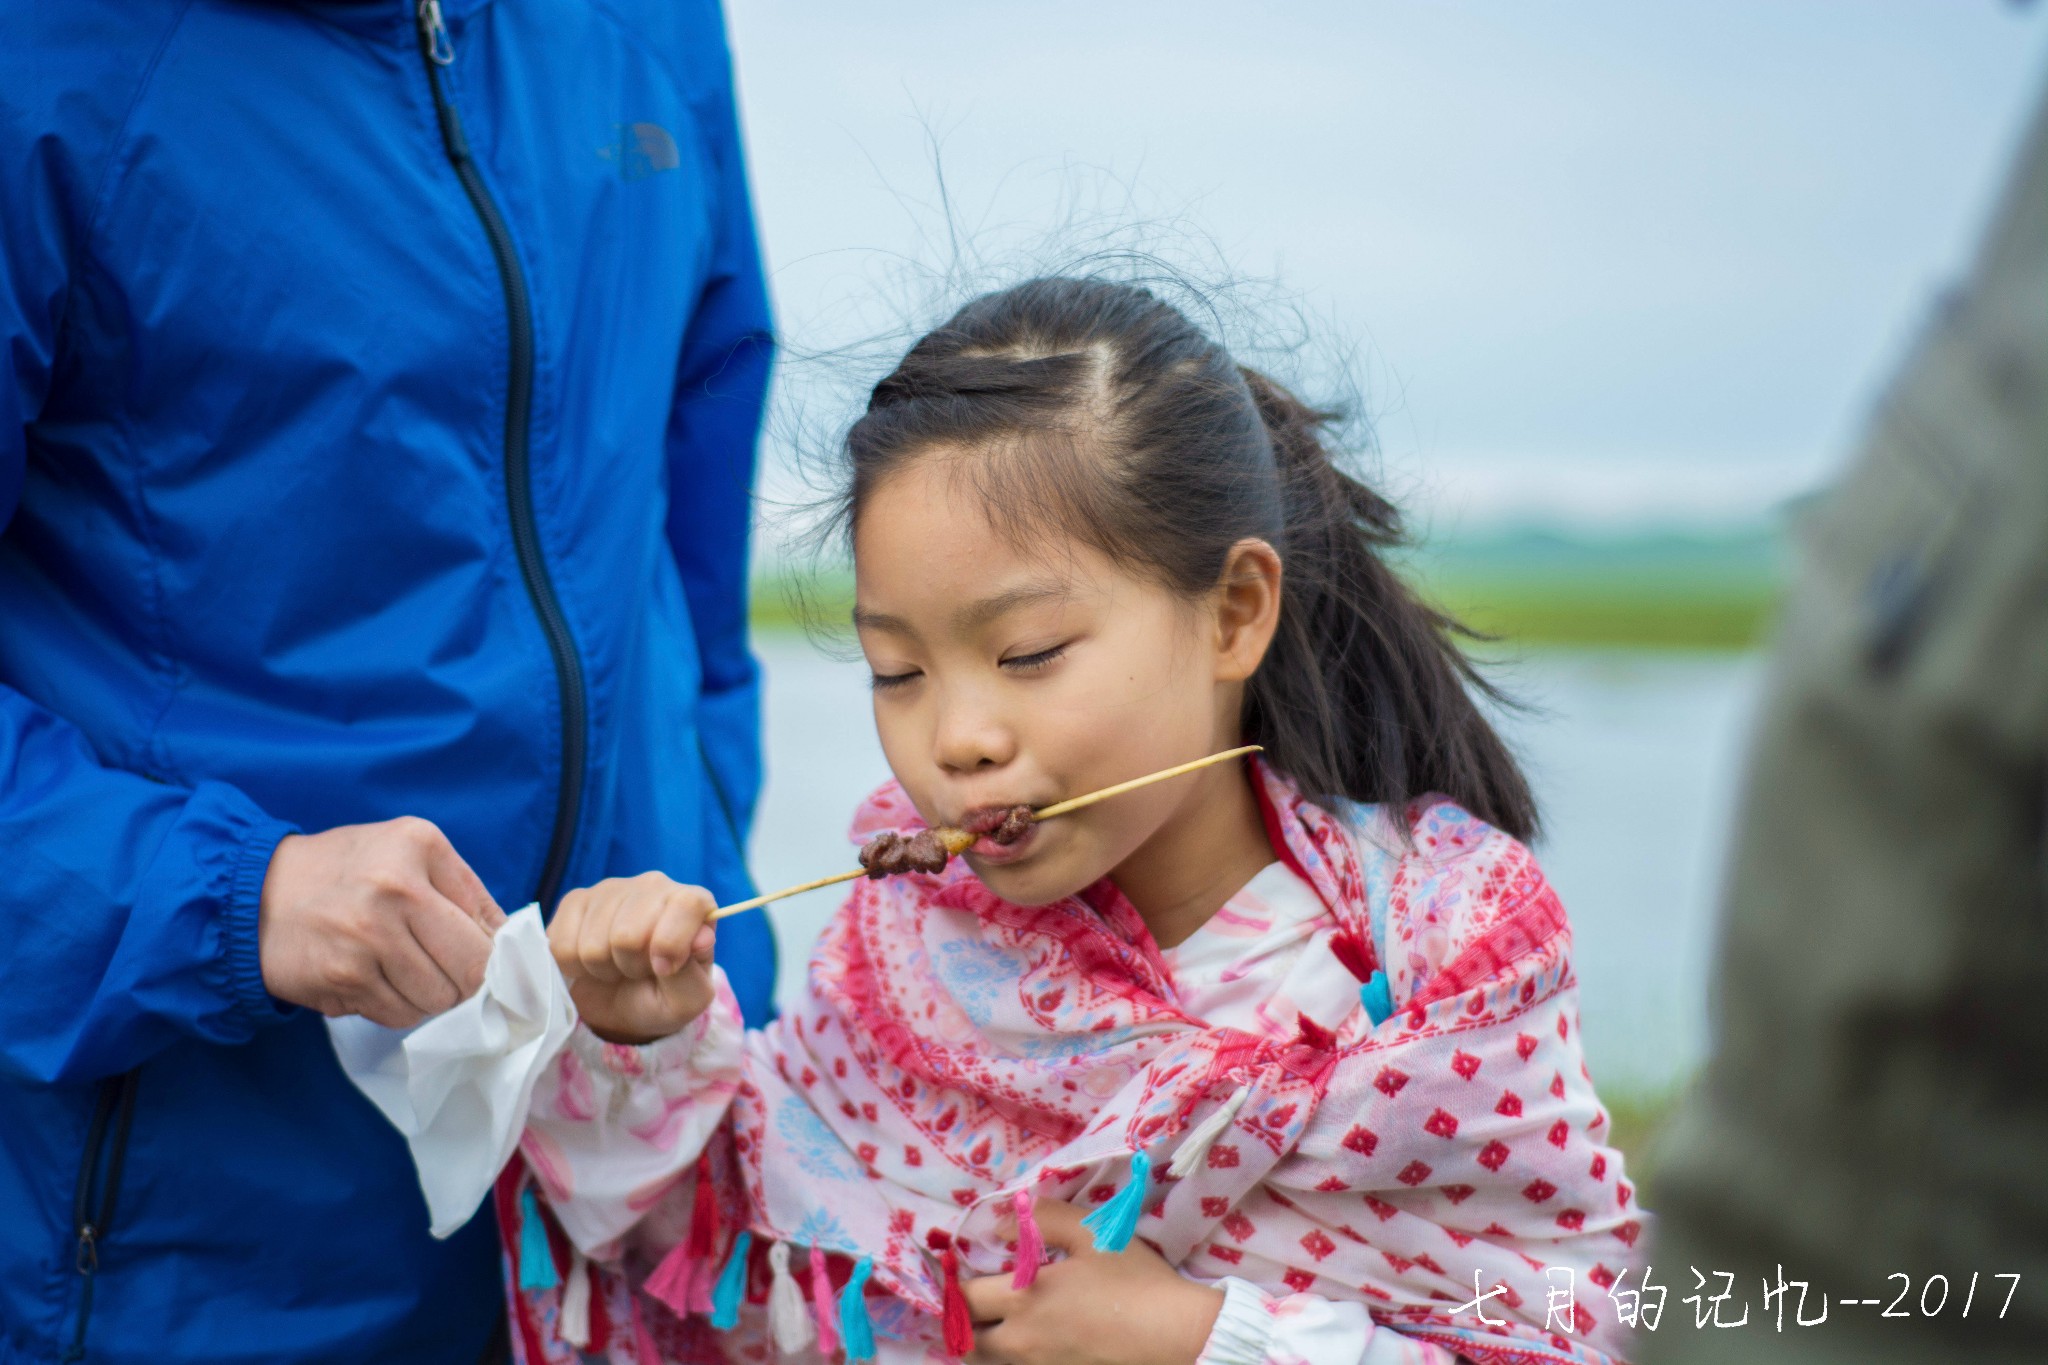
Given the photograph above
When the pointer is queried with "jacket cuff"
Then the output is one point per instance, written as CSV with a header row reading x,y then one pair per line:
x,y
1244,1328
241,945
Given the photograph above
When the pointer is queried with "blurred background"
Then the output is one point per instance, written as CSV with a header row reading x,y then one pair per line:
x,y
1610,285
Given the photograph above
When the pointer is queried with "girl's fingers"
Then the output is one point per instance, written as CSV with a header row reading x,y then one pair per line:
x,y
680,931
632,931
594,935
563,929
1060,1224
988,1347
990,1298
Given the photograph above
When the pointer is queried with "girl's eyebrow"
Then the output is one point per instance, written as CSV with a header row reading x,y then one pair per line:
x,y
980,613
974,614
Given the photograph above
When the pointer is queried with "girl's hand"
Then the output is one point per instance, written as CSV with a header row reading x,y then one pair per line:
x,y
1093,1308
637,955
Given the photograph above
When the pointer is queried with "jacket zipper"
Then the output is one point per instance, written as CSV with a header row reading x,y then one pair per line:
x,y
92,1208
438,52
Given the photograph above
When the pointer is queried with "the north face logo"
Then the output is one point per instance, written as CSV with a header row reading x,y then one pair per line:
x,y
641,150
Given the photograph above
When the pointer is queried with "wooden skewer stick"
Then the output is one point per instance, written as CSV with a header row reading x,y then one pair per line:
x,y
959,837
1074,803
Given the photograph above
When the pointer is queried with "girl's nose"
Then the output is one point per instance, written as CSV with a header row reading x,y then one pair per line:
x,y
970,738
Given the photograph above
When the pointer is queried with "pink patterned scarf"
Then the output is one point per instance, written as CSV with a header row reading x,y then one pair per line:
x,y
955,1049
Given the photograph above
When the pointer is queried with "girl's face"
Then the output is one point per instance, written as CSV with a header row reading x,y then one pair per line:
x,y
1007,674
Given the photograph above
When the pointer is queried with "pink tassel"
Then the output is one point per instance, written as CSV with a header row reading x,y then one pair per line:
x,y
1030,1245
644,1351
825,1303
674,1280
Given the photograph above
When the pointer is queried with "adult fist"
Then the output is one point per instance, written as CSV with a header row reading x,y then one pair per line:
x,y
384,920
637,955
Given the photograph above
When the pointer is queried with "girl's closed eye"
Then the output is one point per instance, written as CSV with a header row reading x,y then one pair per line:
x,y
882,682
1037,660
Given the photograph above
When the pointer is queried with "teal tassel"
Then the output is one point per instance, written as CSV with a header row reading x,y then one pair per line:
x,y
725,1300
536,1257
856,1329
1115,1222
1377,997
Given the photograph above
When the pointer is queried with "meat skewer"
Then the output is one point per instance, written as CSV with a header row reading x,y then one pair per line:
x,y
928,850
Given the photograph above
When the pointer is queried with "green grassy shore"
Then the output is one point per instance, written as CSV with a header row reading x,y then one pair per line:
x,y
1531,588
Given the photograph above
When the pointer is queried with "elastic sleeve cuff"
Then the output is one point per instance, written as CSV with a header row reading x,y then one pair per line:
x,y
708,1044
242,948
1243,1330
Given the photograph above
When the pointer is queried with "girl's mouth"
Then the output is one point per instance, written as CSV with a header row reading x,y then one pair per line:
x,y
987,851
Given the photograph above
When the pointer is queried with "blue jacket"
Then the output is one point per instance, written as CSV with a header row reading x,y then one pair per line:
x,y
375,439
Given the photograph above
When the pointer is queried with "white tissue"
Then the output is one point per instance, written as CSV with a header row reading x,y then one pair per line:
x,y
457,1085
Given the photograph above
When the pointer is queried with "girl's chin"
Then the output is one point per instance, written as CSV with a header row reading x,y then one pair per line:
x,y
1026,881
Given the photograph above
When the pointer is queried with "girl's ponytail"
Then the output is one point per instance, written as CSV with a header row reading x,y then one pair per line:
x,y
1364,692
1105,413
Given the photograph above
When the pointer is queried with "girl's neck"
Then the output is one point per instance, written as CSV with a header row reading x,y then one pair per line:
x,y
1203,855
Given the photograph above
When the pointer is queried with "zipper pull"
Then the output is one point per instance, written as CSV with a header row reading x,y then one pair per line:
x,y
88,1250
434,33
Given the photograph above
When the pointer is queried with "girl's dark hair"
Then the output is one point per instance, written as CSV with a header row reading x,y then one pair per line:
x,y
1095,408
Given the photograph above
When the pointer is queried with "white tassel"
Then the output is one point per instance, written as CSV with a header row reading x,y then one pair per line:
x,y
789,1316
572,1325
1195,1146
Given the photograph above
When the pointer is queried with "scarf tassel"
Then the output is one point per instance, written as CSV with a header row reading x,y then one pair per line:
x,y
572,1323
673,1281
645,1352
536,1257
1030,1242
821,1303
1115,1222
1350,950
732,1284
1194,1149
957,1322
789,1320
1377,997
856,1328
683,1279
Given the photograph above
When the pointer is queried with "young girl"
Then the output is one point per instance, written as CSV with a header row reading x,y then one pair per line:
x,y
1298,1034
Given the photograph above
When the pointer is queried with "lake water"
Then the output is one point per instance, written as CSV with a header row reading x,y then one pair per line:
x,y
1635,759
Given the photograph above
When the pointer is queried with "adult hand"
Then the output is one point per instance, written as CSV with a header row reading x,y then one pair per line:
x,y
384,920
1093,1308
637,955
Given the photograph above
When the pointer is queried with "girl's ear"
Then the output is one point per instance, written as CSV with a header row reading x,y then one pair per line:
x,y
1247,608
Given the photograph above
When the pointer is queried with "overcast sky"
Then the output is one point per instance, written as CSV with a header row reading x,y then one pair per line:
x,y
1604,260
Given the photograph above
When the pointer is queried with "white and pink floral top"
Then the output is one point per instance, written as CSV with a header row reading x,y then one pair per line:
x,y
1461,1126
